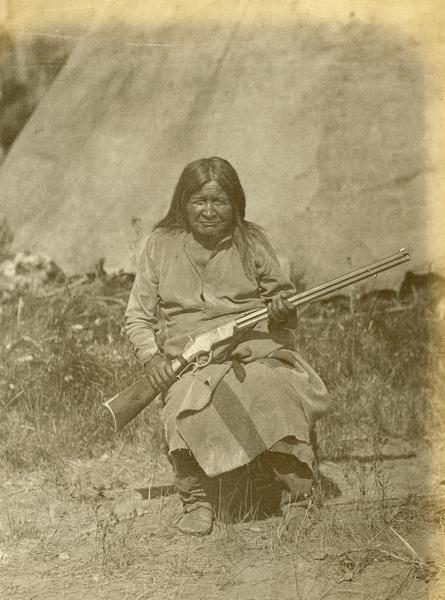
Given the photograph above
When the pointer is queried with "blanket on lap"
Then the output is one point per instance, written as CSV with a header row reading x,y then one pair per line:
x,y
229,413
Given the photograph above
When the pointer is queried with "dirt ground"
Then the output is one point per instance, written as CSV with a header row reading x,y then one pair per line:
x,y
85,531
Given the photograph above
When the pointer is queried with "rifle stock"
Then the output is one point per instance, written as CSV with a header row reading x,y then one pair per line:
x,y
126,405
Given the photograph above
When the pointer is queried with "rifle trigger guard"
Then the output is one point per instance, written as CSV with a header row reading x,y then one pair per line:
x,y
204,360
199,363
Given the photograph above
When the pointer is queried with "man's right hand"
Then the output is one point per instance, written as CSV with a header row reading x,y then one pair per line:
x,y
160,373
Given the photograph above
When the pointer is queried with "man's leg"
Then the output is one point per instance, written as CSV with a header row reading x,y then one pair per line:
x,y
195,491
296,479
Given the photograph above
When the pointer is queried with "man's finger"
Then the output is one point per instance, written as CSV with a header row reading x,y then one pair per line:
x,y
281,310
168,373
159,379
287,294
153,383
281,305
291,308
165,373
278,309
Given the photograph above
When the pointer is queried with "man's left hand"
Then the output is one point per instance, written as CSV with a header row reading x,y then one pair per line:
x,y
280,311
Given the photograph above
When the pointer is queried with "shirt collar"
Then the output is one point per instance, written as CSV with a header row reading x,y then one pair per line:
x,y
224,242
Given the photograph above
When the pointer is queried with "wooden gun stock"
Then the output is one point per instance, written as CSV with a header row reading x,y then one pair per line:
x,y
128,404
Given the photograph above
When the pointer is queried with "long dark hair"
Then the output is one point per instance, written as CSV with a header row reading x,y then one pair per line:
x,y
247,237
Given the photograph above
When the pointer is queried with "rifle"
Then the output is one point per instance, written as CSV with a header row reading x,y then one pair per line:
x,y
198,352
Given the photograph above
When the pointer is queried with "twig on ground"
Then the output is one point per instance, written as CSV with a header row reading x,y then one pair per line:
x,y
410,548
395,556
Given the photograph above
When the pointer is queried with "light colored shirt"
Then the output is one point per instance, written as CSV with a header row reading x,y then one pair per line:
x,y
180,290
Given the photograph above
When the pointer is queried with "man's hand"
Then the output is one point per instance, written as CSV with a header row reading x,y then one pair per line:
x,y
160,373
280,311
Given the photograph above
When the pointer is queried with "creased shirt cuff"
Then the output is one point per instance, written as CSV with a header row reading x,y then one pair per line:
x,y
143,356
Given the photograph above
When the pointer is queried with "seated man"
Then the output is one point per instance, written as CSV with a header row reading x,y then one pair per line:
x,y
203,266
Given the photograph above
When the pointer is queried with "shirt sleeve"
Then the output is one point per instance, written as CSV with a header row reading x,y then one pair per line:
x,y
271,279
141,321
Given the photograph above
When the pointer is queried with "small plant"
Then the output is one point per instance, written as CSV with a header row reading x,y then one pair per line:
x,y
114,541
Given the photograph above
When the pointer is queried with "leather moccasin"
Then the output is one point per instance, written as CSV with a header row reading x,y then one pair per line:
x,y
198,521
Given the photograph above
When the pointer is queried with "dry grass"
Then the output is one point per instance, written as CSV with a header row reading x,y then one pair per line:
x,y
62,355
60,358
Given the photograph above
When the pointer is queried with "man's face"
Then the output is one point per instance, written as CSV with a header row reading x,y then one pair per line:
x,y
209,211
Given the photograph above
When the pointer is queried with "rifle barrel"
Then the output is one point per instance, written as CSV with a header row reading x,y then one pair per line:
x,y
330,286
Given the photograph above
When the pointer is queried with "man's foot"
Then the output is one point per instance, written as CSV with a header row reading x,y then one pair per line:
x,y
197,521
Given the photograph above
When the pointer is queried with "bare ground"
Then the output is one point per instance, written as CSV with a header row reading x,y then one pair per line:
x,y
78,527
83,531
